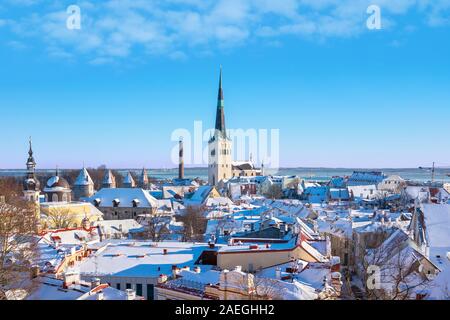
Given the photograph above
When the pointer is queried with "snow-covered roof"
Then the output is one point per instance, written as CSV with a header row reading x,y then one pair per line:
x,y
219,201
83,178
128,179
130,258
200,194
76,209
437,220
50,288
243,165
109,178
118,226
207,277
365,178
294,290
125,197
75,236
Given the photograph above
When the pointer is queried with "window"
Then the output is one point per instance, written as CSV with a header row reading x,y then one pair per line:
x,y
150,291
54,197
128,285
139,289
118,286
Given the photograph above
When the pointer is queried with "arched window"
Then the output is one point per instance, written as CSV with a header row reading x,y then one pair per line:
x,y
64,197
55,198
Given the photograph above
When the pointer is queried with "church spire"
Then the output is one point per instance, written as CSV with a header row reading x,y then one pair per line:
x,y
31,164
220,116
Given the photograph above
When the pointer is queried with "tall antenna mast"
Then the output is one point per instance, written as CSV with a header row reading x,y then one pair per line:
x,y
432,173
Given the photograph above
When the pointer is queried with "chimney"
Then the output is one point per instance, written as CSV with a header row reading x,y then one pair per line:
x,y
95,282
100,296
181,161
70,278
162,278
278,273
34,272
131,294
175,271
335,264
336,282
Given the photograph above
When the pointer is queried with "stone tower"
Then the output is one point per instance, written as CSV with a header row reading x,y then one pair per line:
x,y
219,146
83,186
109,181
31,185
181,161
143,179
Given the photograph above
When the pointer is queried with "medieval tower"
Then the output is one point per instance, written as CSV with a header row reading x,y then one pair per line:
x,y
83,186
219,146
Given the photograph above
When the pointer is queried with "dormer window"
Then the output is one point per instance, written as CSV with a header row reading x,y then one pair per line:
x,y
116,203
135,203
97,202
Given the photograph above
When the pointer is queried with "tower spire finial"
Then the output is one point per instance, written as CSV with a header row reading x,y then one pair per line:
x,y
30,151
220,95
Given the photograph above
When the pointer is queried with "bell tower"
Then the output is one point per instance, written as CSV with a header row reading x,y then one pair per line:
x,y
31,185
219,146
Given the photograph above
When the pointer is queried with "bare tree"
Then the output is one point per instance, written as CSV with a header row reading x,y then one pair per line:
x,y
274,192
18,247
157,228
10,188
58,218
400,273
259,288
194,224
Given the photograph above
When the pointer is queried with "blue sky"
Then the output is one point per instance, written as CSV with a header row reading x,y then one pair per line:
x,y
113,92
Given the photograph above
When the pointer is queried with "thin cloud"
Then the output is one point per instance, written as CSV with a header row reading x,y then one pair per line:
x,y
116,29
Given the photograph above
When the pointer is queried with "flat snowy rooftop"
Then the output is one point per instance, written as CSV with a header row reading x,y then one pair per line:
x,y
142,258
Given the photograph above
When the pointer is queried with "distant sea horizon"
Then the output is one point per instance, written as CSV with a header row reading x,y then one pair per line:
x,y
316,174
